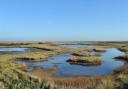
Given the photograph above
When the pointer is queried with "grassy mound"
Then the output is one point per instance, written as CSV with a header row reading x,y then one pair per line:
x,y
99,49
90,60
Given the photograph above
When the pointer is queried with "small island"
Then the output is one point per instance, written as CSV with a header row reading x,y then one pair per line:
x,y
92,60
85,59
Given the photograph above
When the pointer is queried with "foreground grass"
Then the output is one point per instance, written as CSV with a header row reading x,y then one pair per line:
x,y
16,80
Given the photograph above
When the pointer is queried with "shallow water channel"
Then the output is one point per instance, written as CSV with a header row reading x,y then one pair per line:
x,y
64,69
14,50
75,46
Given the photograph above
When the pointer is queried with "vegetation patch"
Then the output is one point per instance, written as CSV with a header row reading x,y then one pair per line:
x,y
90,60
82,54
99,49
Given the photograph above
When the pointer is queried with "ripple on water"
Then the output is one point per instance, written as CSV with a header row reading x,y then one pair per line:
x,y
14,50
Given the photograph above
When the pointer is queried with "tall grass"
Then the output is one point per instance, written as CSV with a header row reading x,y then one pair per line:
x,y
13,79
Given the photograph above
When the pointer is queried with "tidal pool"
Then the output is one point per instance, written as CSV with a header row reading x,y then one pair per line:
x,y
75,46
14,50
64,69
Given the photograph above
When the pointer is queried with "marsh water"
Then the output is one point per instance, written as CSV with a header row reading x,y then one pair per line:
x,y
64,69
14,50
75,46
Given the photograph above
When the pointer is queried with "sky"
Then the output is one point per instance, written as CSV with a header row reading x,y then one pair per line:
x,y
63,20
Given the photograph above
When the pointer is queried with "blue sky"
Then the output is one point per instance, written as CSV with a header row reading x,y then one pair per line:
x,y
63,20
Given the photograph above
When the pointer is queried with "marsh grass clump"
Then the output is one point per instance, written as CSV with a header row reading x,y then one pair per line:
x,y
89,60
25,82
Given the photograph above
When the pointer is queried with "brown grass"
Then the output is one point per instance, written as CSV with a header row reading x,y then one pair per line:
x,y
80,82
76,83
